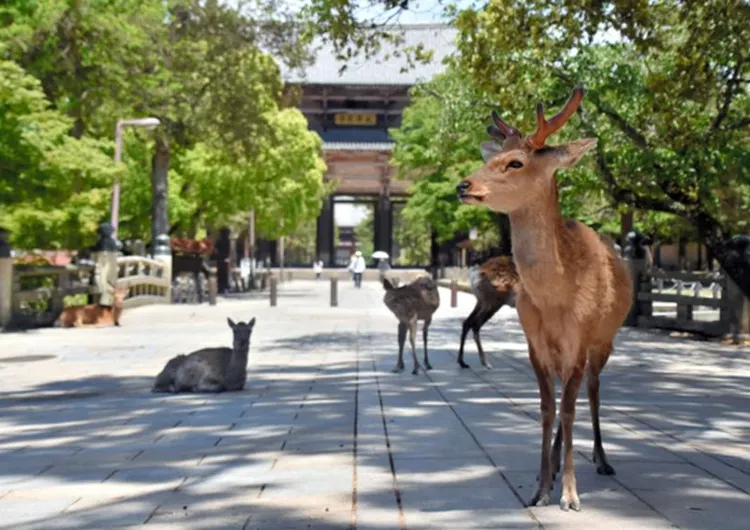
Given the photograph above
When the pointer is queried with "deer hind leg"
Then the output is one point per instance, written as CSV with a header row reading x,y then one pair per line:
x,y
401,339
468,324
412,341
425,327
546,381
569,499
595,366
478,323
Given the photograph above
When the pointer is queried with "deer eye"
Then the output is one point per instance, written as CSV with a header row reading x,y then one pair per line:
x,y
515,164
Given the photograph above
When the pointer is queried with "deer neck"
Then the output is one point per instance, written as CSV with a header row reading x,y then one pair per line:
x,y
536,233
239,357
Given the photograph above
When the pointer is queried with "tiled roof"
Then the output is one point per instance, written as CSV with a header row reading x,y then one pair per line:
x,y
357,146
380,70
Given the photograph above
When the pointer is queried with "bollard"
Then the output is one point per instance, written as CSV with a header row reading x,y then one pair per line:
x,y
289,276
213,286
454,293
273,291
334,292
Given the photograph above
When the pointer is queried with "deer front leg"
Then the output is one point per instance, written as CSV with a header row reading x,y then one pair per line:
x,y
569,499
546,382
401,339
467,324
425,327
413,341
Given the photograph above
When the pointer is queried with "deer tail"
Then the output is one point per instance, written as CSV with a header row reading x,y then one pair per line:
x,y
387,284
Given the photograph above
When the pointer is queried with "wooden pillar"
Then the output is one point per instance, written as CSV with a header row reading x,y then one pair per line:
x,y
324,243
6,278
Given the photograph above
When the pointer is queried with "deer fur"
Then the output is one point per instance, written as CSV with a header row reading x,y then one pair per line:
x,y
575,292
94,314
493,283
409,303
209,369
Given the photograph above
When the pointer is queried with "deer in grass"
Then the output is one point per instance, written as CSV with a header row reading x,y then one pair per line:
x,y
410,303
493,283
94,314
575,292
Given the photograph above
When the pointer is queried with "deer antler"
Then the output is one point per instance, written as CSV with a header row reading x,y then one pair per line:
x,y
501,130
545,128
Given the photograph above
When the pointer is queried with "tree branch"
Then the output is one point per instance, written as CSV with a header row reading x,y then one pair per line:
x,y
732,89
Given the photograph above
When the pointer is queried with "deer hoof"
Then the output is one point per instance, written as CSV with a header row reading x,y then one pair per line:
x,y
415,371
398,369
570,503
427,366
605,469
488,366
463,364
540,499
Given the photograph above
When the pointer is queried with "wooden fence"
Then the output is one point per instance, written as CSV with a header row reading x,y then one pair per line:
x,y
693,295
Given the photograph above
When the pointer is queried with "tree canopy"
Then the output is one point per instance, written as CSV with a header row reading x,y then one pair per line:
x,y
204,69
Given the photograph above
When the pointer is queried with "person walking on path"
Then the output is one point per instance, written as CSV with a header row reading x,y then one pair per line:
x,y
358,267
318,268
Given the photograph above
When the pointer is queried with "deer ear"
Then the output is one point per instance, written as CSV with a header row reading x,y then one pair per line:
x,y
570,154
231,323
490,150
251,323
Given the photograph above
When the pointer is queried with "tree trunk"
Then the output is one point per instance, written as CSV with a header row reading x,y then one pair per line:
x,y
159,194
434,255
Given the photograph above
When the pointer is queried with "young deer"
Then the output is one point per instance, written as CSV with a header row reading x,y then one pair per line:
x,y
209,369
493,283
575,292
416,301
93,314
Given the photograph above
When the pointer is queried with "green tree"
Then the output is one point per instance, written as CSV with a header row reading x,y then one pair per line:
x,y
52,186
365,234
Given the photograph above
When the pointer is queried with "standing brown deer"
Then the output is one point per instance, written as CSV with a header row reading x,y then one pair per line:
x,y
493,283
575,292
409,303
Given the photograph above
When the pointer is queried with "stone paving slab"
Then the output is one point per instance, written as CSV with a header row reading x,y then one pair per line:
x,y
326,437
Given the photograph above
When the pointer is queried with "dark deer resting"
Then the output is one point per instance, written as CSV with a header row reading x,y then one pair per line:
x,y
416,301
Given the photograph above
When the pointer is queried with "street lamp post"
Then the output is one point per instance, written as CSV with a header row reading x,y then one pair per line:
x,y
146,123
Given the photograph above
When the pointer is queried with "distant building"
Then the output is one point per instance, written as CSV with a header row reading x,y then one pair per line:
x,y
352,111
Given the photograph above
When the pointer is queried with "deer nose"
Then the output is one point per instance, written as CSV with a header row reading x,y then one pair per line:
x,y
463,187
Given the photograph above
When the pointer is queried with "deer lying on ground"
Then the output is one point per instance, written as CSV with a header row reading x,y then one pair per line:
x,y
493,283
94,314
416,301
575,292
209,369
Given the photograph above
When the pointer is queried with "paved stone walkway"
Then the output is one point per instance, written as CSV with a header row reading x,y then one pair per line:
x,y
325,437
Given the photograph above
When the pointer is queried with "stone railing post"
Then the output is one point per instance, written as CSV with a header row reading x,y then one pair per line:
x,y
6,279
104,254
635,258
163,254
